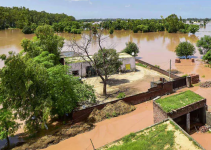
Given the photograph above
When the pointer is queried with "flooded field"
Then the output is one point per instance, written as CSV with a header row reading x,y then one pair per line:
x,y
156,48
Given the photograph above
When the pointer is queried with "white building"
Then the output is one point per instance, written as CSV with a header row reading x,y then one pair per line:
x,y
81,67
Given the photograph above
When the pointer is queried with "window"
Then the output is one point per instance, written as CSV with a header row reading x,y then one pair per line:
x,y
75,73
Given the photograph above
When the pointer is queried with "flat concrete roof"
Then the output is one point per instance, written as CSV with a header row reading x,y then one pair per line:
x,y
80,59
178,101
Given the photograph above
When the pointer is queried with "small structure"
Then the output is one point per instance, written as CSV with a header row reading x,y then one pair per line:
x,y
177,60
192,60
187,109
194,78
81,66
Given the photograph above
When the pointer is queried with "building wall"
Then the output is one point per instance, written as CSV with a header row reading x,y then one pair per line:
x,y
77,66
81,69
131,61
158,114
208,118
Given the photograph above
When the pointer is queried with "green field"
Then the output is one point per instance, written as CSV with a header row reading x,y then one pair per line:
x,y
175,102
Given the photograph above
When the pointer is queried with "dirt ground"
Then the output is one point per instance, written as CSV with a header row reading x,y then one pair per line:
x,y
130,83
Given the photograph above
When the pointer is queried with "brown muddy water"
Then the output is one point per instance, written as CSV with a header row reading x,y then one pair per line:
x,y
156,48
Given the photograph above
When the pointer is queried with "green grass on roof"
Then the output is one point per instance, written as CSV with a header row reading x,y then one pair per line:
x,y
175,102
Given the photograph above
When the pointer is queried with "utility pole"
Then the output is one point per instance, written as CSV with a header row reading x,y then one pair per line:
x,y
92,145
170,71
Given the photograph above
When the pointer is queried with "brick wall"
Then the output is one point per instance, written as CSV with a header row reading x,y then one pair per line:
x,y
187,109
158,114
173,76
162,89
194,78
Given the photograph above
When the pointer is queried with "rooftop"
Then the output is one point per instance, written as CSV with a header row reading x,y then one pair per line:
x,y
178,101
165,135
80,59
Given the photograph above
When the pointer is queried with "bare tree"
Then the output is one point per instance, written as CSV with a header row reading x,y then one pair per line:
x,y
105,62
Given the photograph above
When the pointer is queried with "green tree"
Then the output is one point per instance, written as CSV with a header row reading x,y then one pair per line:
x,y
111,31
207,56
185,49
173,22
106,62
204,44
131,48
27,30
7,125
193,28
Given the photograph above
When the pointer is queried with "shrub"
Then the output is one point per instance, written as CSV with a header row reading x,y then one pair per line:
x,y
135,30
114,114
27,30
111,31
142,65
131,48
185,75
157,66
121,95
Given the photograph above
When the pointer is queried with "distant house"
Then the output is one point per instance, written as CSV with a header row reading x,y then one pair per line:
x,y
81,67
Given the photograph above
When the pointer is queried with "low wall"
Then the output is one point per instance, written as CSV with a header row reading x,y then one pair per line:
x,y
194,78
161,89
173,76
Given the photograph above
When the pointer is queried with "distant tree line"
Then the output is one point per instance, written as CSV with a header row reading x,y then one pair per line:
x,y
20,17
172,24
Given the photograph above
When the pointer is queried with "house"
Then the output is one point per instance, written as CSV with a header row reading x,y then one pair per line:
x,y
82,68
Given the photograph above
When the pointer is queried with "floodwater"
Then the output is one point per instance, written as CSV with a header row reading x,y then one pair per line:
x,y
156,48
110,129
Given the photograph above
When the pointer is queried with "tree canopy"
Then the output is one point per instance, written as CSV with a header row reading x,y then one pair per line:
x,y
185,49
36,86
131,48
204,44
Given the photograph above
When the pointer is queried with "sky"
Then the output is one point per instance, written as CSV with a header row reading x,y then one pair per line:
x,y
133,9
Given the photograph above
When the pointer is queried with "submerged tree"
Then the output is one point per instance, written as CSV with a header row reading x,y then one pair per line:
x,y
8,126
193,28
185,49
204,44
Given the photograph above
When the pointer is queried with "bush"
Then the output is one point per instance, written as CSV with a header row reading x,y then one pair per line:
x,y
114,114
135,30
121,95
157,66
142,65
131,48
111,31
27,30
185,75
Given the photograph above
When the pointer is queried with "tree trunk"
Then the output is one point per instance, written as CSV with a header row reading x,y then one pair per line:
x,y
104,88
8,142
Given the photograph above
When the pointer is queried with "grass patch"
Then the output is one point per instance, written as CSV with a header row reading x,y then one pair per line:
x,y
203,76
121,95
142,65
156,138
177,101
185,75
